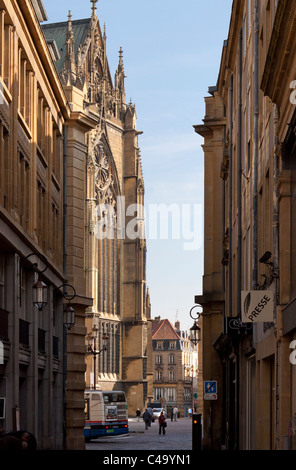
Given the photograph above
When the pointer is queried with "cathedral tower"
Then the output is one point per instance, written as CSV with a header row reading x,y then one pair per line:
x,y
114,261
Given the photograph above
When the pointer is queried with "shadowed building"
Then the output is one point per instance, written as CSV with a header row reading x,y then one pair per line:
x,y
69,161
249,132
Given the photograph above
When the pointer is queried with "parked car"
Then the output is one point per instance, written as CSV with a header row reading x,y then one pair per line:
x,y
156,413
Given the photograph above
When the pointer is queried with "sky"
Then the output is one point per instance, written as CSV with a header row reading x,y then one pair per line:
x,y
171,54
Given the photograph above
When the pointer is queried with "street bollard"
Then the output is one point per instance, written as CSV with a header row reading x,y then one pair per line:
x,y
196,431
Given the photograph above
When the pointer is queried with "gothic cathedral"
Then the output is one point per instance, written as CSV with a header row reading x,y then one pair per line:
x,y
118,326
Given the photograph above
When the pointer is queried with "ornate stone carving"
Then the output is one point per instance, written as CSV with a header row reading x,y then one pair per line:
x,y
104,180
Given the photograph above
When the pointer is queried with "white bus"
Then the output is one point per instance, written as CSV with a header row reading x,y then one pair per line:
x,y
105,414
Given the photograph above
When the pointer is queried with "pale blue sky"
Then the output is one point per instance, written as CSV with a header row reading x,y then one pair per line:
x,y
171,53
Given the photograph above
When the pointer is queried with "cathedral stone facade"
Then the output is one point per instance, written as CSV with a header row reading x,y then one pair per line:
x,y
114,259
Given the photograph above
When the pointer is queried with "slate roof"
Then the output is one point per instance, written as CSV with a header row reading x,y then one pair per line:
x,y
58,32
163,329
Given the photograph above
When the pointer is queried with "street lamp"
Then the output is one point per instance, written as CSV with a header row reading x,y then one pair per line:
x,y
69,312
39,288
195,331
40,295
94,352
195,334
190,373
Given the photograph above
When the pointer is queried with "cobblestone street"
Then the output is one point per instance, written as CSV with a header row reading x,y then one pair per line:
x,y
178,437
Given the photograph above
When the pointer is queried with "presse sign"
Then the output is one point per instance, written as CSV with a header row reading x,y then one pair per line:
x,y
257,306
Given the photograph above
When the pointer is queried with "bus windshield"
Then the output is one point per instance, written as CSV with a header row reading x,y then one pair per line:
x,y
113,397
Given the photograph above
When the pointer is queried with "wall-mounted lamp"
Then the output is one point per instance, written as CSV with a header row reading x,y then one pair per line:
x,y
69,311
195,331
39,288
40,293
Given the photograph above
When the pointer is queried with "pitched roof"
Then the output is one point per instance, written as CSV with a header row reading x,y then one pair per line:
x,y
163,329
58,32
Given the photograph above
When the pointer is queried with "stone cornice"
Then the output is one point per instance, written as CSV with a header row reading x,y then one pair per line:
x,y
44,56
230,46
281,50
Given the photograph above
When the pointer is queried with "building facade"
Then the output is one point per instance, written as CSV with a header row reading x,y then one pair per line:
x,y
175,365
69,148
248,132
111,191
34,116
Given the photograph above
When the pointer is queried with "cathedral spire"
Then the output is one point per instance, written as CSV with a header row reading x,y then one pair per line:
x,y
120,79
120,67
94,8
70,35
70,66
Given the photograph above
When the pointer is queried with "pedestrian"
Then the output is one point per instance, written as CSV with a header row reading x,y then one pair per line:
x,y
172,414
10,443
27,440
138,413
147,419
175,413
149,409
162,423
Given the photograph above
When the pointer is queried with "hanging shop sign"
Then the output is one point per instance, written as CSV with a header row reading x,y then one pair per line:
x,y
257,306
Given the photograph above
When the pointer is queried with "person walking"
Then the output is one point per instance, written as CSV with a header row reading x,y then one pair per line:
x,y
172,414
175,413
147,419
138,413
162,423
149,409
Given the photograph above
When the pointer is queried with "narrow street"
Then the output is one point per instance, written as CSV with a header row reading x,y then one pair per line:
x,y
178,437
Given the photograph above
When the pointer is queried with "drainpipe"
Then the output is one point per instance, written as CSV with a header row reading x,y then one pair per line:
x,y
223,218
230,200
239,235
276,261
65,198
239,177
65,158
255,148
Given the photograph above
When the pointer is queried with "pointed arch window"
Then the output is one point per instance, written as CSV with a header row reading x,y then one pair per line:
x,y
106,192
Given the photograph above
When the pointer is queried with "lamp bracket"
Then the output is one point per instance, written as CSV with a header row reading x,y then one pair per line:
x,y
237,324
35,265
68,296
195,316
